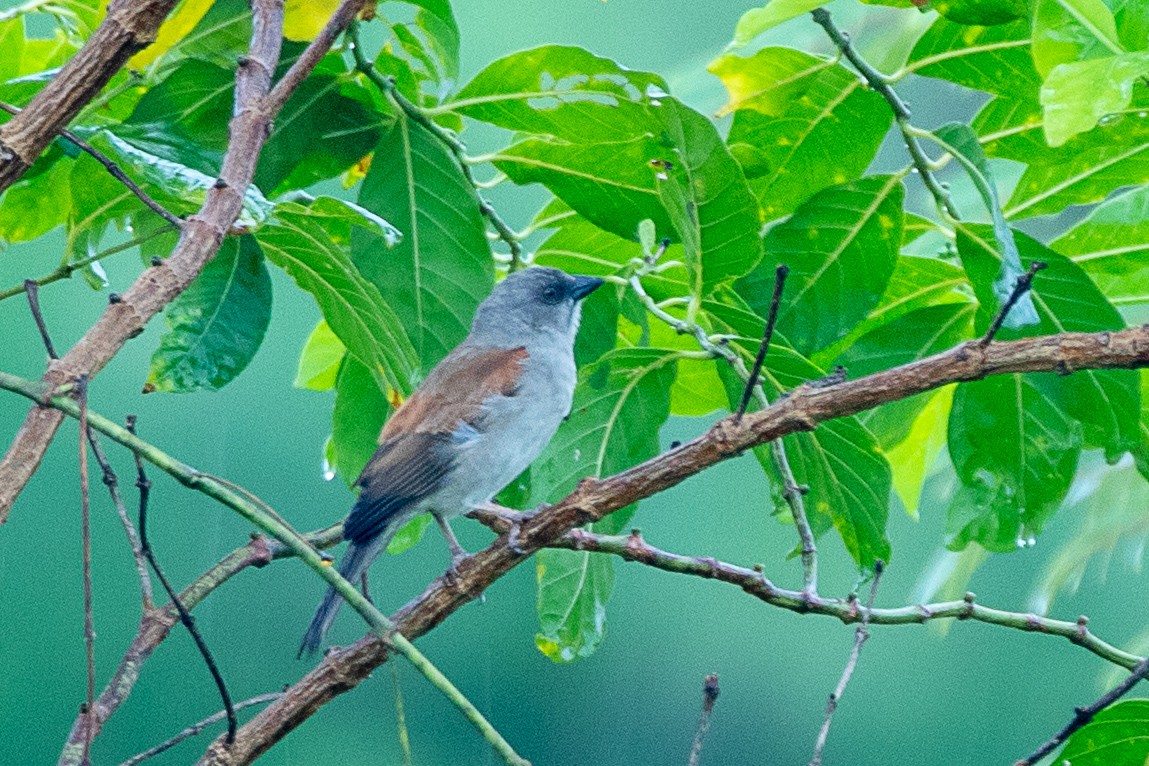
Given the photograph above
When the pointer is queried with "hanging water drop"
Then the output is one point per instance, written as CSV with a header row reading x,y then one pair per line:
x,y
1031,541
328,470
1020,541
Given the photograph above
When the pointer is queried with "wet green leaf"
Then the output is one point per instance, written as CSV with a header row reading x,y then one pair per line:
x,y
440,272
758,20
562,91
1077,94
798,137
1115,737
995,58
215,326
1071,30
841,247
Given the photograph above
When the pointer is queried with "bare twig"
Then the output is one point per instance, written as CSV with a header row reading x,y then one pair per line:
x,y
145,486
33,291
1020,288
198,727
792,491
881,85
861,635
113,169
709,697
448,138
756,370
86,548
1083,715
66,270
400,716
112,483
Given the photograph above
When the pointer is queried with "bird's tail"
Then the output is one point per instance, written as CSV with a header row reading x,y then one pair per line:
x,y
355,562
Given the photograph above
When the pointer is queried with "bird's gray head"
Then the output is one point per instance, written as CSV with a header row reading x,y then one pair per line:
x,y
535,301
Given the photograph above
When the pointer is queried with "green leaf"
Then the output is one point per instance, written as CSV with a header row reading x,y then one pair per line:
x,y
1112,246
960,141
841,247
436,20
769,81
23,214
360,409
1076,95
609,184
184,118
313,250
709,202
442,270
908,338
1141,453
1105,402
981,12
319,133
620,403
562,91
793,140
698,389
180,189
1086,169
995,59
758,20
911,458
320,360
220,36
1015,449
840,461
1132,23
1115,737
915,284
1071,30
215,326
98,201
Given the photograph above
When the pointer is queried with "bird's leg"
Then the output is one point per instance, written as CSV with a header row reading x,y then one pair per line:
x,y
363,587
458,552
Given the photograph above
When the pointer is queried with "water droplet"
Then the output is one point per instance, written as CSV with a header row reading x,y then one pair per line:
x,y
1109,119
1143,115
578,454
1020,541
1031,541
914,171
328,470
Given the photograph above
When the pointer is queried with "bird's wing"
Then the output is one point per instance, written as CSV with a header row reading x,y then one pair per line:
x,y
418,444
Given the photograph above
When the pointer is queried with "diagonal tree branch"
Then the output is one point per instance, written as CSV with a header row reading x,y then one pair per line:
x,y
256,105
128,27
802,409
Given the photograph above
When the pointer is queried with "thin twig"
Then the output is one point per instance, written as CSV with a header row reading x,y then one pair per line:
x,y
66,270
86,546
448,138
881,85
756,370
381,626
861,635
198,727
113,169
1020,288
1083,715
33,291
112,483
400,716
144,484
709,697
792,491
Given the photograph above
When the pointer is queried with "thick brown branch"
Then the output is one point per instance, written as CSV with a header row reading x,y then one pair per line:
x,y
128,27
802,410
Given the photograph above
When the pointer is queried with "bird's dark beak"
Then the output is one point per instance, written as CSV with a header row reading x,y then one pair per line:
x,y
584,286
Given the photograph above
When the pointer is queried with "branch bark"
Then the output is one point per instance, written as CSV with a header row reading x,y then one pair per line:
x,y
802,410
129,27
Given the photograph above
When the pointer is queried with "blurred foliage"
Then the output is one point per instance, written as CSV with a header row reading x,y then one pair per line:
x,y
397,274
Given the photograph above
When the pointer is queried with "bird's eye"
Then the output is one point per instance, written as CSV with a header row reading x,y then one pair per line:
x,y
552,294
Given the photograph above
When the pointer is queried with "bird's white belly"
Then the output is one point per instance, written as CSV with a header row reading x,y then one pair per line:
x,y
517,430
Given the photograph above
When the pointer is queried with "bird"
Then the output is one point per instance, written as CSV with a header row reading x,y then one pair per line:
x,y
481,416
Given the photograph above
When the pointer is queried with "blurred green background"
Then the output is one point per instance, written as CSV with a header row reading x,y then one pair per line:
x,y
978,694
